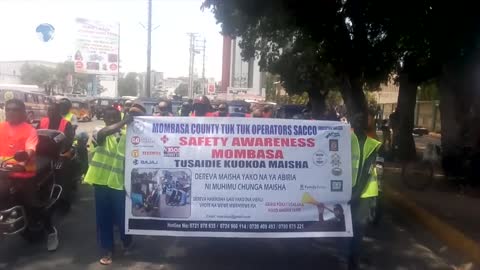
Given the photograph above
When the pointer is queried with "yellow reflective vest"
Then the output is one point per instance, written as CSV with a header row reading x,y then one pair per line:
x,y
101,165
116,178
368,161
68,117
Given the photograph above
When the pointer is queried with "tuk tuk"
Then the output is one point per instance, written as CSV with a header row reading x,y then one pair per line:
x,y
81,109
101,104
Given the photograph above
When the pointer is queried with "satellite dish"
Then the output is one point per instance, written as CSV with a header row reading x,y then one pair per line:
x,y
45,32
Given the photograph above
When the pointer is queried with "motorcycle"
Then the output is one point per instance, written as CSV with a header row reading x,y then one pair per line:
x,y
70,169
25,197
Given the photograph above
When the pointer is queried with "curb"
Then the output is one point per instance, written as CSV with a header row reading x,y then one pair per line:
x,y
445,232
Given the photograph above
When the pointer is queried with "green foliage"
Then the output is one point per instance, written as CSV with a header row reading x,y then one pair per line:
x,y
301,99
314,47
354,45
428,91
36,74
334,99
128,85
182,90
57,78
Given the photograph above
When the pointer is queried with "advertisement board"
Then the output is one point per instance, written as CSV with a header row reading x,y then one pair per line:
x,y
238,177
96,47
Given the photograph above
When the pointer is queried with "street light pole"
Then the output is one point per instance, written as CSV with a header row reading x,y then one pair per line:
x,y
149,50
191,64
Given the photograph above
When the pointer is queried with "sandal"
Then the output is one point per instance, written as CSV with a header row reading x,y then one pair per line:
x,y
106,260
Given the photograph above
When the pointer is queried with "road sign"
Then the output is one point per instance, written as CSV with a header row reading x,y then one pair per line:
x,y
211,88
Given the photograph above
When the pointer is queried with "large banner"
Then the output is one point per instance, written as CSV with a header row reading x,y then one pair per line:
x,y
238,177
96,47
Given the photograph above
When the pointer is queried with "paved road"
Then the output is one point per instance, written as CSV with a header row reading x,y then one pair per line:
x,y
396,244
90,126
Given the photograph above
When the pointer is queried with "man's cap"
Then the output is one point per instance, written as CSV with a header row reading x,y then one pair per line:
x,y
139,107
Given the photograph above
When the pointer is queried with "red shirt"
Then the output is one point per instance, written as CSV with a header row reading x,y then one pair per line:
x,y
16,138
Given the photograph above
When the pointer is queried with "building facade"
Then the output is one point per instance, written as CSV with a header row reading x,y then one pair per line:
x,y
240,77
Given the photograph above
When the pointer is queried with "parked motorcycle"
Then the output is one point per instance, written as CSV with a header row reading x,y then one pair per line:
x,y
25,198
70,169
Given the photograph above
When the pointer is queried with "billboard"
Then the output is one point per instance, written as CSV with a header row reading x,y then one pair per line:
x,y
238,177
96,47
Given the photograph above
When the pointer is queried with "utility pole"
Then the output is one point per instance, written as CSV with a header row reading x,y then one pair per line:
x,y
192,64
204,47
204,81
149,50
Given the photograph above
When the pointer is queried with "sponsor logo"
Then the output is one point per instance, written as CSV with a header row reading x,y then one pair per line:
x,y
138,127
145,162
337,171
336,185
164,139
332,134
151,153
319,158
333,145
136,153
136,140
171,151
149,162
335,160
312,187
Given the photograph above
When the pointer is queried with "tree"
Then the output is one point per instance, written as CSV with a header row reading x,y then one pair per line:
x,y
345,38
128,85
61,78
39,75
301,71
430,49
69,81
428,91
182,90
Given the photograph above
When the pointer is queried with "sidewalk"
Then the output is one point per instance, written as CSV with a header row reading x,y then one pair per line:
x,y
455,210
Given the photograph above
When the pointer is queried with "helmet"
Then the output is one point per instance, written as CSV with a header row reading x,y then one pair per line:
x,y
65,105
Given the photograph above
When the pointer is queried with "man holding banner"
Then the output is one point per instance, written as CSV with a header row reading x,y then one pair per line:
x,y
365,185
106,174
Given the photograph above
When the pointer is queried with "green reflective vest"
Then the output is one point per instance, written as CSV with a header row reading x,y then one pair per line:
x,y
68,117
368,161
116,178
100,166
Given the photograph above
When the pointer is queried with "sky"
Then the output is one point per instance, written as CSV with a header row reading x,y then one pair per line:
x,y
170,42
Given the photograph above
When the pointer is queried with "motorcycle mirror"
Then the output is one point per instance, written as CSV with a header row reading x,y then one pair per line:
x,y
21,156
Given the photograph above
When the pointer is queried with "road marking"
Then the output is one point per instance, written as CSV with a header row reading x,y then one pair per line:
x,y
445,232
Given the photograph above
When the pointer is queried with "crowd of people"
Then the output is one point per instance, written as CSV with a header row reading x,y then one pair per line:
x,y
203,107
106,168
